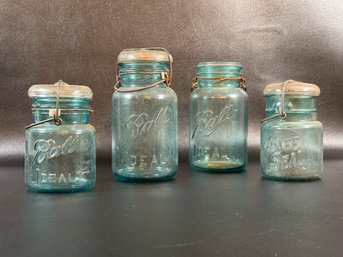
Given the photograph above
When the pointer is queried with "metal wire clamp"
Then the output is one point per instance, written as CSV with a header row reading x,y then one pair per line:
x,y
56,116
281,109
217,80
165,76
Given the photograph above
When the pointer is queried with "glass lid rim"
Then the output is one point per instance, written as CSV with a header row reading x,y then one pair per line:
x,y
144,55
68,91
292,88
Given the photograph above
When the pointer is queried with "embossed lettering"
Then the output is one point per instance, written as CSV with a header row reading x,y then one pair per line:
x,y
213,153
51,178
133,160
44,177
47,149
154,161
284,152
143,126
144,161
62,178
206,122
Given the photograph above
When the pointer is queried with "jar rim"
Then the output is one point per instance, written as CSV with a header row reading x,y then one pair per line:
x,y
219,63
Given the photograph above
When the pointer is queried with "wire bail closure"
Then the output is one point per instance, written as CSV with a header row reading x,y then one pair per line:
x,y
56,117
281,109
217,80
165,76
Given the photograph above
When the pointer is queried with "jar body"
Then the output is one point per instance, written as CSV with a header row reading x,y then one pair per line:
x,y
218,129
144,134
60,158
292,149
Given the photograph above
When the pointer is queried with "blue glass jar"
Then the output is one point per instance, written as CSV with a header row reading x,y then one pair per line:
x,y
291,136
60,144
144,122
218,118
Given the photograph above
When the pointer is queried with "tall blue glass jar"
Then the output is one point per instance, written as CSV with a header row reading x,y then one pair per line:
x,y
144,121
60,144
291,136
218,118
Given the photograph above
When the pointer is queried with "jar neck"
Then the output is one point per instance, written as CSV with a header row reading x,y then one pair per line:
x,y
297,108
142,73
72,110
212,71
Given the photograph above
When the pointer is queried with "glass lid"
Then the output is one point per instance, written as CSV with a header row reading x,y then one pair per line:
x,y
61,88
292,88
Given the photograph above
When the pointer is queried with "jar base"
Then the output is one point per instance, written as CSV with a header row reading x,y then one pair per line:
x,y
136,176
290,179
295,175
218,166
55,189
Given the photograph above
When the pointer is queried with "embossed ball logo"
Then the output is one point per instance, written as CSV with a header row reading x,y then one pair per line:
x,y
48,149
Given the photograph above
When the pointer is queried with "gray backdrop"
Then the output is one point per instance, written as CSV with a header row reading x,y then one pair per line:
x,y
42,41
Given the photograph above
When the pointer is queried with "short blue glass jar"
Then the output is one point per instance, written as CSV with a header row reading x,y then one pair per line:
x,y
144,117
291,136
218,118
60,144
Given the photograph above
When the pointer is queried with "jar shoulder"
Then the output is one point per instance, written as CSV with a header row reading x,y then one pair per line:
x,y
293,124
68,128
153,93
201,93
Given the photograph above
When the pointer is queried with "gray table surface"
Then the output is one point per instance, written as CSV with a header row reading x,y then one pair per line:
x,y
196,214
